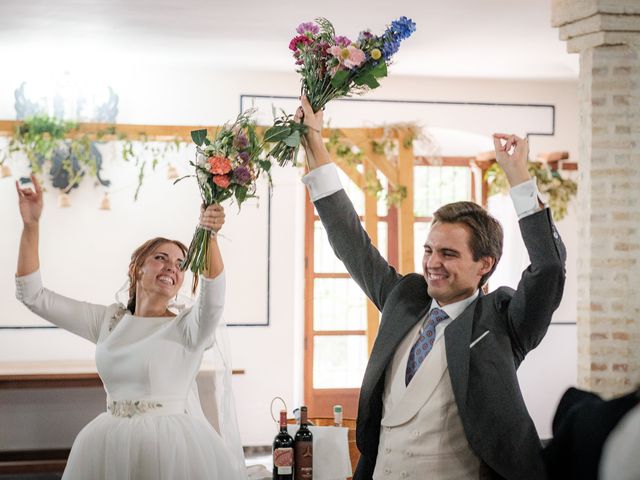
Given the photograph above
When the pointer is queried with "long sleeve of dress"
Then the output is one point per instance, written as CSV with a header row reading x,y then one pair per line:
x,y
82,318
198,324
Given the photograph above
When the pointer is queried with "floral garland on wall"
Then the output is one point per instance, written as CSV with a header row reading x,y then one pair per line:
x,y
558,190
71,156
387,146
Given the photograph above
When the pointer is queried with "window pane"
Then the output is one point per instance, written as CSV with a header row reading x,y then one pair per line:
x,y
382,201
420,232
437,186
338,304
353,191
383,242
339,361
325,261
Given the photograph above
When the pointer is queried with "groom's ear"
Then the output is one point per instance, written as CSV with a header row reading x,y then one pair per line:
x,y
487,264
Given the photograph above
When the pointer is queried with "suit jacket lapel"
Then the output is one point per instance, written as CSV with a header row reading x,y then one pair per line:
x,y
391,333
458,338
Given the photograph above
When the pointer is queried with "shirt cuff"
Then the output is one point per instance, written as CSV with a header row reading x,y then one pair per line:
x,y
322,181
526,198
28,285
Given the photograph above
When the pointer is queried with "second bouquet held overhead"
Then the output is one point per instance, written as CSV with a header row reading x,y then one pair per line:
x,y
226,167
333,66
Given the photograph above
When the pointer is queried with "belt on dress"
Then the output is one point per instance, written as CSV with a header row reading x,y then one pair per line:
x,y
130,408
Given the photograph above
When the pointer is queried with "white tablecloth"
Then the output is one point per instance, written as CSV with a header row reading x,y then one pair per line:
x,y
330,452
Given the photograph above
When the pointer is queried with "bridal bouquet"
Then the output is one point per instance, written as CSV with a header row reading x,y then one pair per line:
x,y
227,166
333,66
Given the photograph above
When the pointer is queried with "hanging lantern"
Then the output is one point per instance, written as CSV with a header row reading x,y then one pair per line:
x,y
64,200
172,172
5,171
105,204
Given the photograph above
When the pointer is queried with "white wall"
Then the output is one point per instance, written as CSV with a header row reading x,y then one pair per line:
x,y
271,356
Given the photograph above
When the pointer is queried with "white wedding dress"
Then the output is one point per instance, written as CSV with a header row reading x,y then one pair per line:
x,y
154,428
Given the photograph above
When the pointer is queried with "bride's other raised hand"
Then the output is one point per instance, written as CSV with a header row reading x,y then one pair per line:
x,y
30,202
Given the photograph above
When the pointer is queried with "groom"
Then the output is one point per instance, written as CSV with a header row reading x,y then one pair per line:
x,y
440,397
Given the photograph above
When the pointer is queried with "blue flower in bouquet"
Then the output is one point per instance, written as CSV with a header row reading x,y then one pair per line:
x,y
403,28
390,47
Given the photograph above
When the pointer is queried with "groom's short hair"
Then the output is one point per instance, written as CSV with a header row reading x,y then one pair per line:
x,y
486,232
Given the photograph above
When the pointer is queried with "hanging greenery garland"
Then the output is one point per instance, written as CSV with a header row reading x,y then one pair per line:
x,y
71,155
558,190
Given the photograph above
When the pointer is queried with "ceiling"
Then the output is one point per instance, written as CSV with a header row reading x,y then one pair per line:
x,y
454,38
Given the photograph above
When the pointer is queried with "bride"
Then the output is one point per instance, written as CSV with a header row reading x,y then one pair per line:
x,y
147,358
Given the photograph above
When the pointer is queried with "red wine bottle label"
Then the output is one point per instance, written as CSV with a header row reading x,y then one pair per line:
x,y
283,460
304,461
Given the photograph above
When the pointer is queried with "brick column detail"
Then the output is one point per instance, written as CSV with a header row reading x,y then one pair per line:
x,y
606,34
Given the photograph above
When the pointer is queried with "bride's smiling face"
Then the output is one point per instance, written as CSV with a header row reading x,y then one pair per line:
x,y
160,273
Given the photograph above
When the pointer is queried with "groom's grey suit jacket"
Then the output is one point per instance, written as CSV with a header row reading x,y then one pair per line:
x,y
494,416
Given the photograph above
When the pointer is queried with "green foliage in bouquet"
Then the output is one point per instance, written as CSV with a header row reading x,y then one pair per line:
x,y
226,167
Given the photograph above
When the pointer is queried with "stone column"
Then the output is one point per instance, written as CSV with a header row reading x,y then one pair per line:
x,y
606,34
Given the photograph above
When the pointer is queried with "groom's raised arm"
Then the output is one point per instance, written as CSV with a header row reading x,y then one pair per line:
x,y
348,239
541,286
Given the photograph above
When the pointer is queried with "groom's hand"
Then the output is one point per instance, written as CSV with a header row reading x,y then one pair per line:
x,y
512,154
316,152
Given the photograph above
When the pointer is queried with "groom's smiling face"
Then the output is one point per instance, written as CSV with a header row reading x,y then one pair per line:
x,y
448,265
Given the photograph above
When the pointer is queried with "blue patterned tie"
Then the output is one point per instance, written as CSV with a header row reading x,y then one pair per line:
x,y
424,343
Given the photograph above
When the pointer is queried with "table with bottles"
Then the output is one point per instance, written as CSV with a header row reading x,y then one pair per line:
x,y
302,451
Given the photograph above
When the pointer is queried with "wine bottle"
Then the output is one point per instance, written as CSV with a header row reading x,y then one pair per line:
x,y
337,415
283,451
303,448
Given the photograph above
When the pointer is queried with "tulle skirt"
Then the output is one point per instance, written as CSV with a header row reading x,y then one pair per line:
x,y
149,447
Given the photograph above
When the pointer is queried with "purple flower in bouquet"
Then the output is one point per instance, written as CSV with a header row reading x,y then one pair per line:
x,y
240,140
342,41
242,175
308,27
243,157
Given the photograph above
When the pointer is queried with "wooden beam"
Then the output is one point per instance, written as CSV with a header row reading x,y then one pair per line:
x,y
405,214
382,163
352,172
552,156
132,131
371,226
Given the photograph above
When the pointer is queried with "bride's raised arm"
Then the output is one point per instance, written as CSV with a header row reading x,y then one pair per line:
x,y
81,318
